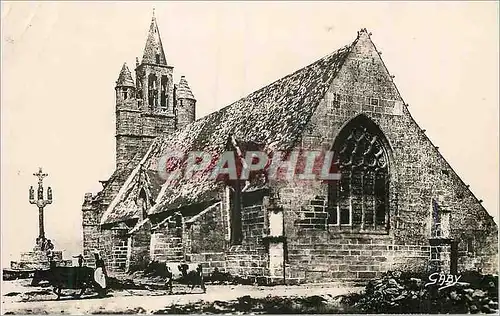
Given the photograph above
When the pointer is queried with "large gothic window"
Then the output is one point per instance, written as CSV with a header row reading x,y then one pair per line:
x,y
359,200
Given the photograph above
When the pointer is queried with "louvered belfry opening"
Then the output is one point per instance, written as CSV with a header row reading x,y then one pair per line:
x,y
152,91
360,199
164,92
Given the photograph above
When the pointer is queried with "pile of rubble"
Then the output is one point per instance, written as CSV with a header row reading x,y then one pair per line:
x,y
405,293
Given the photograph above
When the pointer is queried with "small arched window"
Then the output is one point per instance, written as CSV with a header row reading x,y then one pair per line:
x,y
360,198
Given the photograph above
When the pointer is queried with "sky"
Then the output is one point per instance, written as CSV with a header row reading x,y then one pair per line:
x,y
60,61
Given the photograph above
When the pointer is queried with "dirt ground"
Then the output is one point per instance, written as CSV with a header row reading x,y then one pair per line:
x,y
19,298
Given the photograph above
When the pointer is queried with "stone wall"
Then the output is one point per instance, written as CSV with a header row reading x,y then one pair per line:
x,y
91,229
166,241
418,174
114,242
204,239
205,233
200,239
138,255
154,125
248,261
128,137
325,256
250,258
128,122
186,112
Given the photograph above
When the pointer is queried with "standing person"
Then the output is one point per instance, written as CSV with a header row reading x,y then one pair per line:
x,y
52,263
80,260
100,274
42,242
49,247
38,244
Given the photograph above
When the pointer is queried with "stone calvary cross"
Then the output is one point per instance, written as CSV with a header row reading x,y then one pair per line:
x,y
40,202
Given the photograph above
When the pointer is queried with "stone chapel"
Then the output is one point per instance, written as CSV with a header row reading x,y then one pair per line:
x,y
397,205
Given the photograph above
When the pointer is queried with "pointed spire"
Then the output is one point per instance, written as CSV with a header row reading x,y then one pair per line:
x,y
153,51
125,78
183,90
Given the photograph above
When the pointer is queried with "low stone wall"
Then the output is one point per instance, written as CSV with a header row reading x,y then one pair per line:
x,y
34,256
19,265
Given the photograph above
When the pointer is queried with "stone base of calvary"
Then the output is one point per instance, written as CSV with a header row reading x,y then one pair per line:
x,y
39,260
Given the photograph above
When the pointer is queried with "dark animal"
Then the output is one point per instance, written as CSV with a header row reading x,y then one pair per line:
x,y
156,269
183,273
68,278
217,277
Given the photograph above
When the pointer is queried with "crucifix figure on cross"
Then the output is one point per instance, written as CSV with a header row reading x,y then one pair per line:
x,y
40,202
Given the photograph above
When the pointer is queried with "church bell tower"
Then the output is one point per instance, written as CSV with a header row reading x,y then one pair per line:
x,y
155,88
144,109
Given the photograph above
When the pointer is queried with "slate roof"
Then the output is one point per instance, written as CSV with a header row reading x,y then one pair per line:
x,y
183,89
125,78
274,116
142,179
154,46
117,178
106,193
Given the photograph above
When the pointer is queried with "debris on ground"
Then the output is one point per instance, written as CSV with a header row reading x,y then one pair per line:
x,y
410,293
268,305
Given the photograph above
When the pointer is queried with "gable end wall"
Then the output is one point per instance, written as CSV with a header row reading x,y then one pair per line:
x,y
418,174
